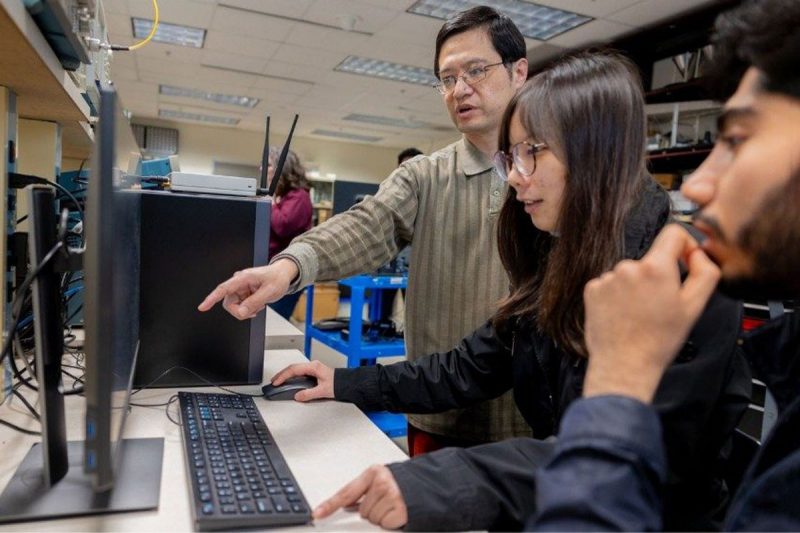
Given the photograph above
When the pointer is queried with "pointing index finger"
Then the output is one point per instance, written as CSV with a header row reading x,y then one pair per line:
x,y
347,495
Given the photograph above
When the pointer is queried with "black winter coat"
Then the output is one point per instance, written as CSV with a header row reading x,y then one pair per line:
x,y
700,401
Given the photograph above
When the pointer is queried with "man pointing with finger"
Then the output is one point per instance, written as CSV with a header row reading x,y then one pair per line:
x,y
446,204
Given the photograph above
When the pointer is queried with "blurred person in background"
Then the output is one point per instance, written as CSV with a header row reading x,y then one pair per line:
x,y
291,214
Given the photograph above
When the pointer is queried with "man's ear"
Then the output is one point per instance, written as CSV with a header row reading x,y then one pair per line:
x,y
519,72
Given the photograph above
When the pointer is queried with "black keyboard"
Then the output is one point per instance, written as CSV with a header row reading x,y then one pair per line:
x,y
238,475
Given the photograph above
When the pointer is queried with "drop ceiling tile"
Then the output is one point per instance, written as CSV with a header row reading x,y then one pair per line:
x,y
115,6
407,27
228,60
593,8
250,24
223,41
364,17
281,85
287,8
328,98
332,40
185,12
594,32
168,68
295,72
305,56
119,28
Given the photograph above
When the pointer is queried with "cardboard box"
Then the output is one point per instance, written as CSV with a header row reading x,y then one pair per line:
x,y
665,180
326,303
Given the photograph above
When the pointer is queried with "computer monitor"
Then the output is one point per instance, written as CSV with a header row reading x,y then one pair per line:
x,y
105,472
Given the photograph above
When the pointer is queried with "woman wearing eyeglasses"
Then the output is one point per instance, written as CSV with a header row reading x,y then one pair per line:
x,y
573,152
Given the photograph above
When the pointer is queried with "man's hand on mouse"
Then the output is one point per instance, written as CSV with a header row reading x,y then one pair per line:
x,y
324,375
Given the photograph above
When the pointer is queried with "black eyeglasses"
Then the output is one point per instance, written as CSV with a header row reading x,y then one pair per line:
x,y
472,76
522,157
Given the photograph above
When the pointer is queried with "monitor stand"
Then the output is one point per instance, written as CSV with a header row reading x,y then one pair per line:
x,y
137,484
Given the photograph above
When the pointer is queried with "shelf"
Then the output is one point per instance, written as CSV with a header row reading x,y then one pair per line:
x,y
678,92
28,66
393,424
368,349
677,159
376,282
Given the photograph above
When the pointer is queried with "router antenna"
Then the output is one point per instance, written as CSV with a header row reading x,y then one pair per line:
x,y
265,157
282,159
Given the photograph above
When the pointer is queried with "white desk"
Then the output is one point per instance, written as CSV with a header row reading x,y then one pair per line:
x,y
281,334
326,444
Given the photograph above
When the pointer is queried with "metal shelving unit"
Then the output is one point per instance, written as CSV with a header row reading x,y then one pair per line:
x,y
358,350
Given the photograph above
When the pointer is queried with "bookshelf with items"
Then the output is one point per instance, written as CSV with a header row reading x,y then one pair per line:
x,y
321,195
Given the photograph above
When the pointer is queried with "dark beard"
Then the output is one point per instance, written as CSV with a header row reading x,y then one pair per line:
x,y
772,239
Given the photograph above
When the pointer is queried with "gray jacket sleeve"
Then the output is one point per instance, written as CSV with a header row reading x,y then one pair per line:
x,y
478,369
485,487
362,238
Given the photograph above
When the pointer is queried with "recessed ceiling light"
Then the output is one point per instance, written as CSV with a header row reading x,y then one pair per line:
x,y
379,68
533,20
229,99
345,135
169,113
169,33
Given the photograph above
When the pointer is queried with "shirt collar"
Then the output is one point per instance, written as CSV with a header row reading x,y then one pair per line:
x,y
472,160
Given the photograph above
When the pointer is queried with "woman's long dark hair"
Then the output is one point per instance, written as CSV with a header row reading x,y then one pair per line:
x,y
589,109
293,175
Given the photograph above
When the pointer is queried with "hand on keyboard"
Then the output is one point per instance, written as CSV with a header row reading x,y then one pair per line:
x,y
382,501
324,375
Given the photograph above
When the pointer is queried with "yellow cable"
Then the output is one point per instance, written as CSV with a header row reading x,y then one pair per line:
x,y
152,30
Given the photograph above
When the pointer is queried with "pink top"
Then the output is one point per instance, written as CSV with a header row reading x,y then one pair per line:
x,y
290,217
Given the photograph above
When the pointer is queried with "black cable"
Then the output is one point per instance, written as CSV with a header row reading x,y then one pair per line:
x,y
21,430
25,401
172,399
74,200
19,298
22,219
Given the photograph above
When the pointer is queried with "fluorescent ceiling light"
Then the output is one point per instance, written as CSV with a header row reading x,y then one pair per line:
x,y
169,113
345,135
533,20
229,99
169,33
379,68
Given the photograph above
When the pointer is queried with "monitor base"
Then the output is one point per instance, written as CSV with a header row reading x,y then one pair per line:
x,y
137,485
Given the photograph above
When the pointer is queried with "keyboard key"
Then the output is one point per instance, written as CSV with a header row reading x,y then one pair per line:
x,y
246,508
280,504
263,506
208,508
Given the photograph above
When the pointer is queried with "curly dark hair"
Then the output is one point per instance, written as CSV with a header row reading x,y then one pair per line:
x,y
293,175
761,33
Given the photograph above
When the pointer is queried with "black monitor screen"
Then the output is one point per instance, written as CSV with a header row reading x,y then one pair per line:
x,y
111,271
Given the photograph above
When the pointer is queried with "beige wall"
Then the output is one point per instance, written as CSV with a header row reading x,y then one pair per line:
x,y
199,146
36,155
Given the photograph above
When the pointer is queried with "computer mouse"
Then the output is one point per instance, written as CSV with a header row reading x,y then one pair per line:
x,y
287,389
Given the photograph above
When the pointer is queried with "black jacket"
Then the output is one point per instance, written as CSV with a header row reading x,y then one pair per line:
x,y
769,497
700,401
621,464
